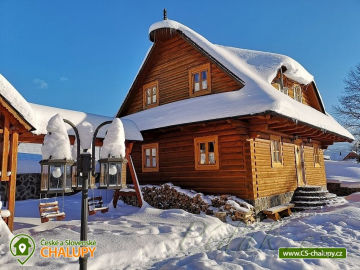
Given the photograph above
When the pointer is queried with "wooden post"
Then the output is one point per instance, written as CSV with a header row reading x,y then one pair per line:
x,y
129,147
5,153
12,182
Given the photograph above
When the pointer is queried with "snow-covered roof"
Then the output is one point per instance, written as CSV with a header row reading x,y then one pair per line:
x,y
256,70
44,113
39,115
17,101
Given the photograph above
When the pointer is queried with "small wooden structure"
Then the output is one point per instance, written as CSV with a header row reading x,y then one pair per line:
x,y
50,211
275,213
12,124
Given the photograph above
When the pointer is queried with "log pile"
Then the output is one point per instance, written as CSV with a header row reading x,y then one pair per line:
x,y
168,196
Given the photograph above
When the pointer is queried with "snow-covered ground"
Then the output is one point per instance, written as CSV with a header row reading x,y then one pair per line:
x,y
346,172
131,238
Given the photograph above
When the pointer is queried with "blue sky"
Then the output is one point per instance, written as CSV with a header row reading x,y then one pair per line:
x,y
83,55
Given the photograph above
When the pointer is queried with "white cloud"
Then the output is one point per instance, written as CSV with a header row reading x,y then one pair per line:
x,y
40,83
63,79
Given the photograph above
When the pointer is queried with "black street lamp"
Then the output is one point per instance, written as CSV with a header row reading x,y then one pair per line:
x,y
65,175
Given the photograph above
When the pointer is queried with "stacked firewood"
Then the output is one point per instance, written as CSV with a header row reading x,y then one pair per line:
x,y
168,196
233,208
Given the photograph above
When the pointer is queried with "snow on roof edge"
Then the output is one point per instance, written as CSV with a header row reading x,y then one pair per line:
x,y
17,101
243,102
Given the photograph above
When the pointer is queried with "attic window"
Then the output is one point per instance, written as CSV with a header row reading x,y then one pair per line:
x,y
200,80
284,90
151,95
206,153
297,93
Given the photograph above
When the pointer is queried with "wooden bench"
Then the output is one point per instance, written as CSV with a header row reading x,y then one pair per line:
x,y
275,213
50,211
95,205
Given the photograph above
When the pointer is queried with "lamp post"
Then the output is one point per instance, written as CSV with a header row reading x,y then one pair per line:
x,y
65,172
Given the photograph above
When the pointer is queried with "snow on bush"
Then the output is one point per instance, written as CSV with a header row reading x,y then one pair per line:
x,y
56,142
114,141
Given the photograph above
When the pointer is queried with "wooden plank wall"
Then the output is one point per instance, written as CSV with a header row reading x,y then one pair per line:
x,y
273,181
177,162
315,176
169,63
269,181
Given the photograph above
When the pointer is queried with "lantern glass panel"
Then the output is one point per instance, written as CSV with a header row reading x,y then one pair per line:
x,y
68,178
73,176
103,171
113,174
44,177
56,177
92,181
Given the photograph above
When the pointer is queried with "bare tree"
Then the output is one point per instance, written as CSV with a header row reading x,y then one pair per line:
x,y
349,109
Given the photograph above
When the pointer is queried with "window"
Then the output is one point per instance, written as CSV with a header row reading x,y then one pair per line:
x,y
297,93
150,157
206,153
276,151
276,85
316,156
151,95
200,80
284,90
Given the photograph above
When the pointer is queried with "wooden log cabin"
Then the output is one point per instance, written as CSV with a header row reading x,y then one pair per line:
x,y
223,120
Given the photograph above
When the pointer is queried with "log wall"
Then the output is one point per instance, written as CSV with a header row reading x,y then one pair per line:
x,y
177,161
269,181
169,64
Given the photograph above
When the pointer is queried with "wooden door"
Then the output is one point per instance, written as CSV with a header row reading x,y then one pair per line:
x,y
299,163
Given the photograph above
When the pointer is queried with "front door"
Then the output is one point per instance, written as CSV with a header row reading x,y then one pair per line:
x,y
299,163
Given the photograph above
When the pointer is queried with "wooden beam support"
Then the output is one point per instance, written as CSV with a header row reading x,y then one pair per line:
x,y
5,149
134,178
12,183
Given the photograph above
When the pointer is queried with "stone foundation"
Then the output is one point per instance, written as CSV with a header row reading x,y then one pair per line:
x,y
27,187
271,201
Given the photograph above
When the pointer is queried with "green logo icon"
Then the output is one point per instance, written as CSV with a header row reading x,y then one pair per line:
x,y
22,246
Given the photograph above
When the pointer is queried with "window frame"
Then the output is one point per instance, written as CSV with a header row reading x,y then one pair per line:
x,y
199,69
316,153
284,90
206,140
296,86
145,88
276,164
143,162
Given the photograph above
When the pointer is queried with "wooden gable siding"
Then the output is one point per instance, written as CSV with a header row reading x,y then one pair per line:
x,y
269,181
169,64
315,176
308,92
177,161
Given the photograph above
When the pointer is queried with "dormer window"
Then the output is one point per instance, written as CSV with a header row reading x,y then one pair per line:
x,y
297,93
200,80
151,95
284,90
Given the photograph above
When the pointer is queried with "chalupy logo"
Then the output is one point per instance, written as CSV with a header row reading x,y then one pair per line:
x,y
22,246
